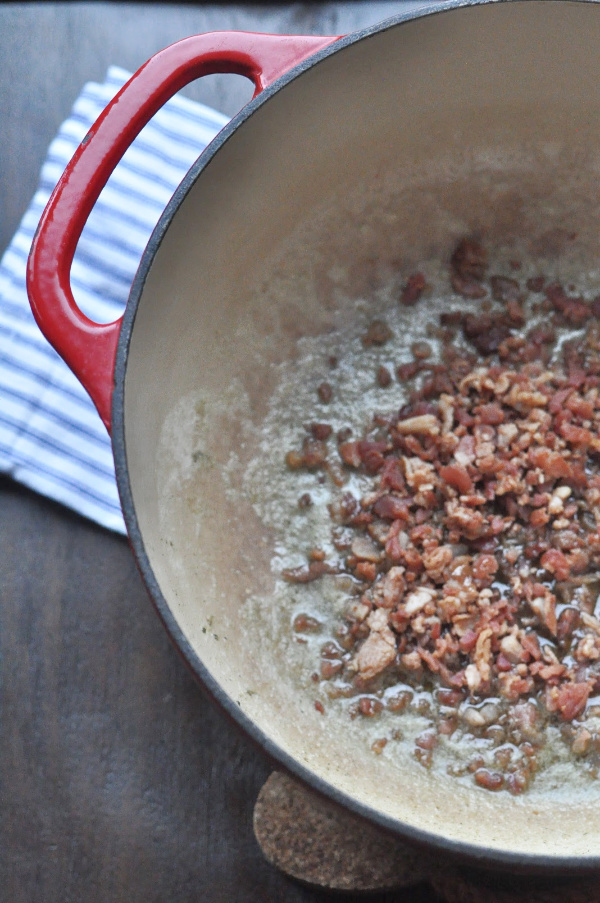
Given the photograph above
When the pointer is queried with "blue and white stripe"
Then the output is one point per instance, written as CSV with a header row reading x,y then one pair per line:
x,y
51,438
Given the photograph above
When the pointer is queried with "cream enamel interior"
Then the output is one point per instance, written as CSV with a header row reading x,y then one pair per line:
x,y
480,119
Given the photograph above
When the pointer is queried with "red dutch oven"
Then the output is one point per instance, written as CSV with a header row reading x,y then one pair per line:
x,y
357,155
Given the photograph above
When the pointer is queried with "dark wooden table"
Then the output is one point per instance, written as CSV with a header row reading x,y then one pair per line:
x,y
119,781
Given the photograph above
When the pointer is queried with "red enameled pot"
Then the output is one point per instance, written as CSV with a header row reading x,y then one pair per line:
x,y
380,148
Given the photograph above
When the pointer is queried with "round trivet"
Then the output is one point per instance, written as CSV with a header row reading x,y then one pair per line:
x,y
315,841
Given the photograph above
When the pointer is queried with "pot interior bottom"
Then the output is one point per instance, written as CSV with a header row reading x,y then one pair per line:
x,y
227,515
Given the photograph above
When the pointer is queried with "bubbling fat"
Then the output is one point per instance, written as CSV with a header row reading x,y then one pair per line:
x,y
313,331
429,468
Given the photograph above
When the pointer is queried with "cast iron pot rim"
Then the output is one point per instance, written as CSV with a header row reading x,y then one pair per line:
x,y
461,850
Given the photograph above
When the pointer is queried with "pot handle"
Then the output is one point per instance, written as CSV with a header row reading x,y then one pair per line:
x,y
90,348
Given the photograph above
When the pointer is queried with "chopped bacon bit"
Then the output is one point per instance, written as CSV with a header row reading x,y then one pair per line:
x,y
430,660
485,333
366,570
449,697
468,640
294,460
469,258
349,454
369,707
379,649
580,406
549,672
378,333
484,567
576,435
417,473
578,560
314,570
384,377
321,430
491,780
531,645
426,740
303,622
396,543
558,400
567,623
344,508
425,424
458,477
512,686
544,606
390,507
556,563
570,699
539,518
392,475
491,413
468,523
413,289
371,454
552,463
393,587
314,453
407,371
325,392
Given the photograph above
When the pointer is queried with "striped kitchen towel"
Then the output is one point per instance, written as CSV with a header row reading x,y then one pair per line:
x,y
51,437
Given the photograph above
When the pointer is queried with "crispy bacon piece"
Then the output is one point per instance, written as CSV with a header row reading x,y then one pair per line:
x,y
569,699
552,463
458,477
379,649
391,507
314,570
556,563
413,289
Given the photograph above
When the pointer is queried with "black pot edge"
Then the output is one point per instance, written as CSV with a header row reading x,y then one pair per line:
x,y
467,853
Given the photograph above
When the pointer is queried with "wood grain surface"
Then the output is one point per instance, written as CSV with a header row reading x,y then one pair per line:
x,y
119,780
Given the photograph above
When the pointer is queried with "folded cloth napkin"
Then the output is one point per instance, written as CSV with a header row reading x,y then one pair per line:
x,y
51,437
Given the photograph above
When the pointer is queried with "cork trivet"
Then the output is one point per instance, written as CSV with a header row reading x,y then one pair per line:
x,y
315,841
457,886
